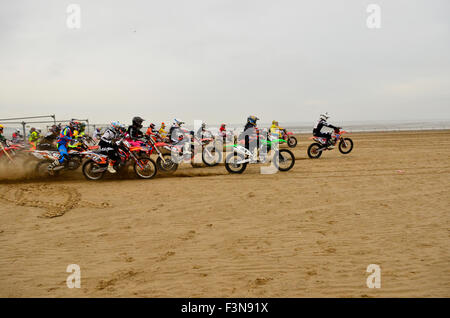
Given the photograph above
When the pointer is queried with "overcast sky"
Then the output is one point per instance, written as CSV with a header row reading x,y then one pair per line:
x,y
221,60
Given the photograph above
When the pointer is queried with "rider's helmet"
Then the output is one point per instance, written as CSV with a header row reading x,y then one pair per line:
x,y
116,126
1,127
203,125
77,126
82,126
152,126
177,122
32,129
274,122
73,124
324,116
122,128
252,120
137,121
163,125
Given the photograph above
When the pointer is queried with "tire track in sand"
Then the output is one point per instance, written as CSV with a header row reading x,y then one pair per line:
x,y
55,200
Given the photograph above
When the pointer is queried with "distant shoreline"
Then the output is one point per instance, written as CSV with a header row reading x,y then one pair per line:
x,y
412,130
302,128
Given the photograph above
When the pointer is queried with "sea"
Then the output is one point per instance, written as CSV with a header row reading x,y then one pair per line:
x,y
302,127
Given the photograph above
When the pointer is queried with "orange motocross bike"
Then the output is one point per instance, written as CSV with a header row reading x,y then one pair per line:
x,y
96,166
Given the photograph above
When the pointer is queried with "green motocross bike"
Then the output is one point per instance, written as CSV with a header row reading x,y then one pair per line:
x,y
240,157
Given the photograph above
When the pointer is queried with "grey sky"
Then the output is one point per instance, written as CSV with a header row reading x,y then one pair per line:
x,y
221,60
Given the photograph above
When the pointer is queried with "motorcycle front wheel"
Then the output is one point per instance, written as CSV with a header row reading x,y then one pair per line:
x,y
148,169
345,145
42,170
284,160
231,163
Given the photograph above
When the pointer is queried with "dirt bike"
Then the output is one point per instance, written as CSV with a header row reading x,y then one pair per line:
x,y
76,152
97,164
345,144
11,151
46,157
237,161
289,138
164,161
211,154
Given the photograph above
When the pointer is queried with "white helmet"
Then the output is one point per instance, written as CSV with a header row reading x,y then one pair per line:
x,y
177,122
324,116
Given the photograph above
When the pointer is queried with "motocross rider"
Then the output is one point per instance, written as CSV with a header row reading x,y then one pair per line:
x,y
317,131
201,130
80,132
251,134
65,137
151,129
134,131
275,129
2,138
153,133
162,131
223,132
108,143
34,137
16,136
96,134
176,134
48,142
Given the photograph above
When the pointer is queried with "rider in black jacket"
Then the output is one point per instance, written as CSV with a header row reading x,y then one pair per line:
x,y
134,131
322,122
251,132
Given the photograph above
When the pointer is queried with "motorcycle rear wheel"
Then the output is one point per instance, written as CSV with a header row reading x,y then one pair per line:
x,y
211,161
89,174
282,158
169,166
292,142
313,152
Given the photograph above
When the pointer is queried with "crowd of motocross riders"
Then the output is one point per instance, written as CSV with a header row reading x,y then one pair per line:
x,y
59,137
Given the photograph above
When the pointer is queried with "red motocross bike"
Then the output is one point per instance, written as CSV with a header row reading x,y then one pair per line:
x,y
164,162
10,151
320,145
97,164
288,136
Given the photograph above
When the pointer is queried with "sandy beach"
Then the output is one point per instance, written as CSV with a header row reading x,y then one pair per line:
x,y
309,232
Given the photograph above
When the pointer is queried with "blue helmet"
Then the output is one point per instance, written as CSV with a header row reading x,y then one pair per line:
x,y
115,125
